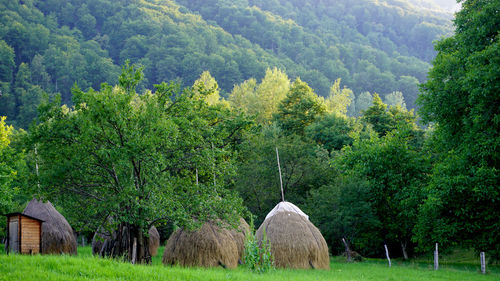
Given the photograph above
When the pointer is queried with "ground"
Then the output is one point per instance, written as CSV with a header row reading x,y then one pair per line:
x,y
86,267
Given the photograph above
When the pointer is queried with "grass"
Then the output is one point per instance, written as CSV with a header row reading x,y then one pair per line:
x,y
87,267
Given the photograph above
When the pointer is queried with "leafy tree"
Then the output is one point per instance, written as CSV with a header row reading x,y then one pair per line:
x,y
300,108
343,209
385,120
132,159
461,99
397,171
261,100
304,166
334,132
11,162
339,99
395,99
363,102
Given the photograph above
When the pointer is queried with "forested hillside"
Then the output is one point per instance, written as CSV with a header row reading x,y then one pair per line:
x,y
47,46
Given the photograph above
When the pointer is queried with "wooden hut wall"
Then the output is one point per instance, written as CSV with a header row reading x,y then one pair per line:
x,y
30,236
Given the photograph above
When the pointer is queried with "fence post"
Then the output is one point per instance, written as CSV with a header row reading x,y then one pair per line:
x,y
436,258
387,254
483,263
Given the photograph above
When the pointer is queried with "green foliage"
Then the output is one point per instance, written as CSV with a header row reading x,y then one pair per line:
x,y
344,209
257,256
11,163
134,157
396,169
461,99
364,43
386,120
304,166
299,109
334,132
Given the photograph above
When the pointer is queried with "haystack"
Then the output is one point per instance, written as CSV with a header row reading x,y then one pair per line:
x,y
154,241
239,236
57,234
210,246
295,241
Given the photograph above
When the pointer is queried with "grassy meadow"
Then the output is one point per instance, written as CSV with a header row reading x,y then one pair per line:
x,y
87,267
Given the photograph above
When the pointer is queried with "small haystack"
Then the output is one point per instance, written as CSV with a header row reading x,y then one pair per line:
x,y
295,241
210,246
57,234
154,241
239,236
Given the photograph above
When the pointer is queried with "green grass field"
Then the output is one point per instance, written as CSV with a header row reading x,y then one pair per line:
x,y
87,267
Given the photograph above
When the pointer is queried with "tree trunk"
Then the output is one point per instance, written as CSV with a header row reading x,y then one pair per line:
x,y
403,248
122,244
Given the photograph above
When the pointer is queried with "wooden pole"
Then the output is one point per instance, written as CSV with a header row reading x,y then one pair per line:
x,y
196,176
134,251
281,180
436,258
387,255
483,263
347,251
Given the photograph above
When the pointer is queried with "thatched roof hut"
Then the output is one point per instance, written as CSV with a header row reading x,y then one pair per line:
x,y
154,241
57,234
210,246
295,241
239,236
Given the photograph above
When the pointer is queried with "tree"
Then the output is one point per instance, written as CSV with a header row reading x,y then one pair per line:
x,y
461,99
131,159
363,102
261,100
339,99
395,99
396,170
304,166
300,108
343,209
385,119
11,161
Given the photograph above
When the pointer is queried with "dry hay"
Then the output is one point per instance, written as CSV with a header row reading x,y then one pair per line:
x,y
295,241
210,246
239,236
154,241
57,234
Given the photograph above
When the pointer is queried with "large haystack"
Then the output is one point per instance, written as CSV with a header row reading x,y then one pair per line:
x,y
239,236
57,234
295,241
210,246
154,241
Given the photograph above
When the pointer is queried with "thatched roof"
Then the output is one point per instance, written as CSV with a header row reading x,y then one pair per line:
x,y
295,241
210,246
239,236
57,234
154,241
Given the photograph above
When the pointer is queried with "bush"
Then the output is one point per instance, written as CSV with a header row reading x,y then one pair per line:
x,y
258,258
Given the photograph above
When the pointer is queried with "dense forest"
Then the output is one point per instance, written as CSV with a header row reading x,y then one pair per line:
x,y
375,47
170,113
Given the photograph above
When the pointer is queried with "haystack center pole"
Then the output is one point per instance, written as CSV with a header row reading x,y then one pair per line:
x,y
281,180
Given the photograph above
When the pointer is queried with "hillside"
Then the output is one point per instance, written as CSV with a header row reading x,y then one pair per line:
x,y
375,46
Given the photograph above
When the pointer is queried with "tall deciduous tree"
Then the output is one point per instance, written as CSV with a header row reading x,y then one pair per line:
x,y
132,159
299,109
462,98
